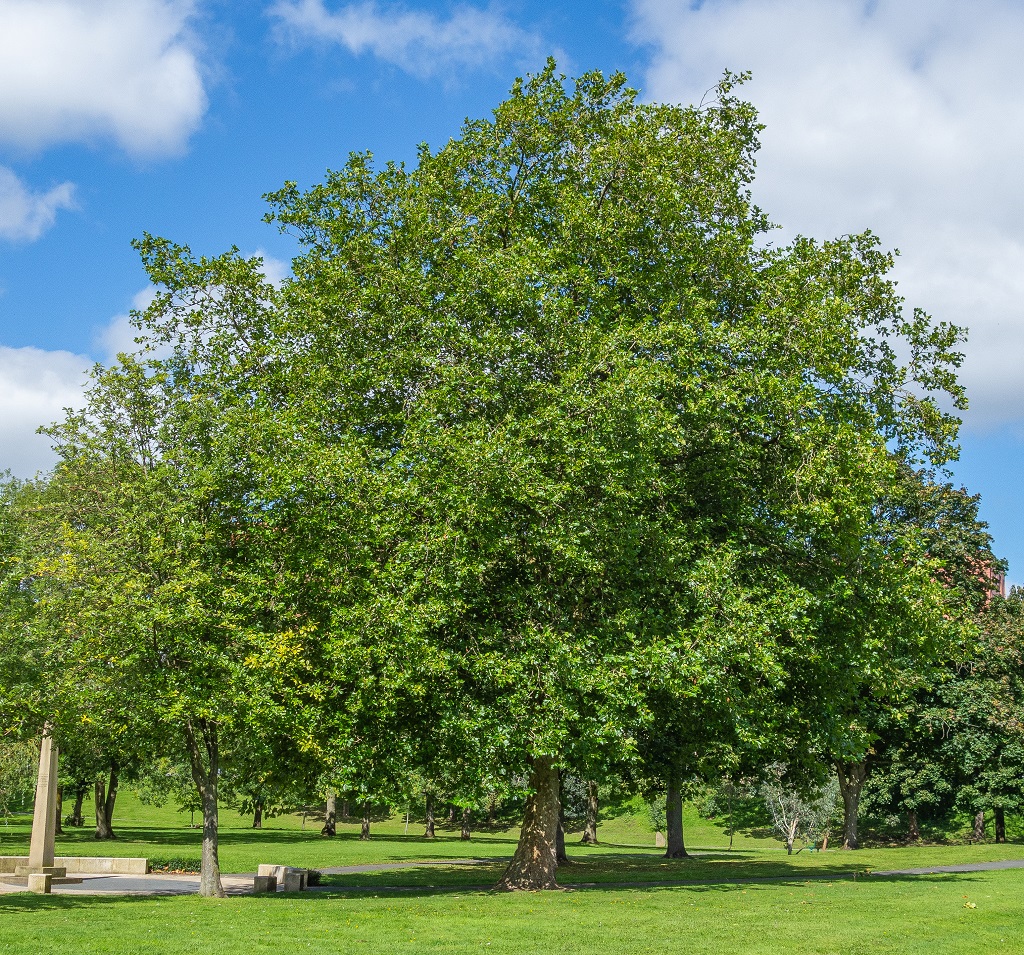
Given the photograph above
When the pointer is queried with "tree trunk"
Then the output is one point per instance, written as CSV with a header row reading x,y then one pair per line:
x,y
257,815
76,813
979,826
428,833
100,805
204,757
59,829
674,847
492,808
465,834
560,857
330,828
344,810
791,836
451,815
364,833
590,827
1000,825
534,866
913,829
108,803
851,781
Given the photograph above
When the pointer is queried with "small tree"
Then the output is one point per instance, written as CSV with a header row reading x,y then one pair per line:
x,y
798,814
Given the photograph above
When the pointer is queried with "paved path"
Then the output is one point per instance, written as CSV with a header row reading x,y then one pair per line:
x,y
241,883
164,883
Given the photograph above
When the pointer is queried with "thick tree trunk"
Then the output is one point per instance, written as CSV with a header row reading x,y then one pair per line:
x,y
257,815
59,829
364,833
204,757
330,828
428,833
534,866
465,834
76,813
851,781
1000,825
913,828
590,827
674,847
103,830
979,826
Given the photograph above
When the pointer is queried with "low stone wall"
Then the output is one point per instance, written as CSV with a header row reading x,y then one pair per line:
x,y
93,865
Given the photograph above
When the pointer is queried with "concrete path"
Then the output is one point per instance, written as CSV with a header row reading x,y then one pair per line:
x,y
163,883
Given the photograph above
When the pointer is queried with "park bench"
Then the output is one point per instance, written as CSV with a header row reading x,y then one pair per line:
x,y
270,877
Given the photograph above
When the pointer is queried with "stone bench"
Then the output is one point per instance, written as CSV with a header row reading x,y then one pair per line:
x,y
271,877
91,865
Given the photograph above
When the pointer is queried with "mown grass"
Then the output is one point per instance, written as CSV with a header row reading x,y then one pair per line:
x,y
876,915
814,907
163,833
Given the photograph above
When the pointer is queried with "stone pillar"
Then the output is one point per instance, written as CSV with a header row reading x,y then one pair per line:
x,y
44,820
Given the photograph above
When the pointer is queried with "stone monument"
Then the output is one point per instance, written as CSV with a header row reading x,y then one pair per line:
x,y
44,820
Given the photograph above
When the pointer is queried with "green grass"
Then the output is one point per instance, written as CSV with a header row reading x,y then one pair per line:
x,y
814,907
921,915
163,833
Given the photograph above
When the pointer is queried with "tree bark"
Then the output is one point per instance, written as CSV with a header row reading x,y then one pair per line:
x,y
590,827
791,836
851,781
76,813
344,810
913,828
364,833
428,833
534,865
465,834
674,846
492,809
204,757
1000,825
979,826
108,803
257,815
59,829
103,830
330,828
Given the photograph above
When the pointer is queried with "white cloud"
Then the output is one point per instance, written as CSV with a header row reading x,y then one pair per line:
x,y
25,215
419,42
274,270
904,116
80,69
35,387
118,335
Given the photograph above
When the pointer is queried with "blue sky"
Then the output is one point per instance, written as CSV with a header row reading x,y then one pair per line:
x,y
175,116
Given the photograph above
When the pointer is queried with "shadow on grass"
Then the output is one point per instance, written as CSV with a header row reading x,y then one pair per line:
x,y
22,903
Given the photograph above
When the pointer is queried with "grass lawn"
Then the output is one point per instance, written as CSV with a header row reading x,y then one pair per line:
x,y
924,914
814,908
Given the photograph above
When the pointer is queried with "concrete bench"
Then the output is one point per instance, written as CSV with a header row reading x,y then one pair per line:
x,y
286,877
